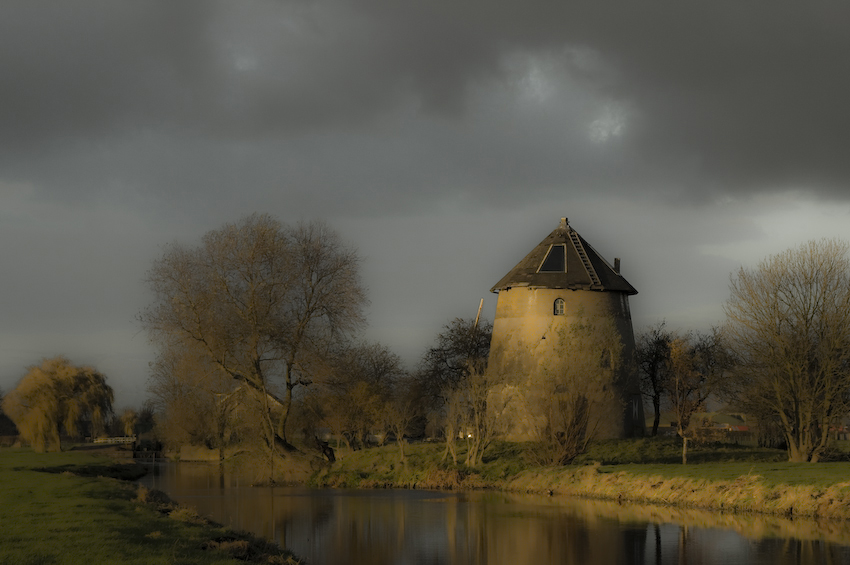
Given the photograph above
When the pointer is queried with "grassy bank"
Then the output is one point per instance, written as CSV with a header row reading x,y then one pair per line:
x,y
747,524
792,489
379,467
721,477
69,508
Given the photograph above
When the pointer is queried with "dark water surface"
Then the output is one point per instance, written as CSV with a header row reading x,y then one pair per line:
x,y
411,527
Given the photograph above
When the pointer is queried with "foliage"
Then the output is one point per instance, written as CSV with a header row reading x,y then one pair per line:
x,y
262,301
789,324
57,397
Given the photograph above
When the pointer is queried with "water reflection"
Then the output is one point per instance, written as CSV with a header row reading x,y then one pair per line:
x,y
424,527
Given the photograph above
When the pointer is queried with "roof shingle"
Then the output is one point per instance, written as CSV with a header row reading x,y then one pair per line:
x,y
585,268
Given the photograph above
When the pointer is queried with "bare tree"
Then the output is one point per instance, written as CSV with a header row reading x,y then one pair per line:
x,y
400,412
481,424
699,367
453,423
358,406
473,413
359,383
372,363
262,300
789,324
653,359
54,397
197,403
462,347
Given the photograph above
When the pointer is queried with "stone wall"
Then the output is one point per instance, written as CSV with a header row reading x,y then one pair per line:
x,y
528,350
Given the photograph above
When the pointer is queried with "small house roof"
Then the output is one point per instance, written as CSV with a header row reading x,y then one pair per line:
x,y
565,260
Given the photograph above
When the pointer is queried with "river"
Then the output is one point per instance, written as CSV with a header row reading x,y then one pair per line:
x,y
415,527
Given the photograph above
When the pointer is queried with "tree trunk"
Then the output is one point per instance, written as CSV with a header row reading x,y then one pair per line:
x,y
798,450
286,406
795,455
56,439
684,450
656,405
451,448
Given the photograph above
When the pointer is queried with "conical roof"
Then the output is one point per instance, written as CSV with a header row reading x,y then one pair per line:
x,y
565,260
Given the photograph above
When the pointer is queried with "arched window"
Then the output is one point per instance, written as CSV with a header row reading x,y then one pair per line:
x,y
559,307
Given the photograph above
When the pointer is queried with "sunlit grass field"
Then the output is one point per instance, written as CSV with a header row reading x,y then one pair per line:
x,y
819,475
503,460
56,517
716,462
730,476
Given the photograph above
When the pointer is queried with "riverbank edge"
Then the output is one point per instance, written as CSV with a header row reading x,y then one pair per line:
x,y
240,545
745,494
100,468
749,493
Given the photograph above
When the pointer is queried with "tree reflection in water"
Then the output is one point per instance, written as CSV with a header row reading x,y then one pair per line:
x,y
423,527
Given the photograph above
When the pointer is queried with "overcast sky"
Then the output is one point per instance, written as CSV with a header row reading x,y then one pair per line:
x,y
443,140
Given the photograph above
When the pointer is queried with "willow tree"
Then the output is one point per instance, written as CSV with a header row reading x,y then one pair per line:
x,y
262,300
54,397
789,323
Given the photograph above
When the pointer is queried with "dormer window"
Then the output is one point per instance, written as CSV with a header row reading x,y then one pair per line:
x,y
555,261
560,307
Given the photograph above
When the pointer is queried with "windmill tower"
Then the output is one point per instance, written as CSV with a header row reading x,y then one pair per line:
x,y
561,283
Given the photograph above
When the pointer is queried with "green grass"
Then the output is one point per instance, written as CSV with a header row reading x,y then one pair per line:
x,y
51,516
746,478
424,466
380,466
820,475
504,459
669,451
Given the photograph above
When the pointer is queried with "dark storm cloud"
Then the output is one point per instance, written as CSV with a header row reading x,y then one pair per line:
x,y
88,68
744,95
438,136
396,98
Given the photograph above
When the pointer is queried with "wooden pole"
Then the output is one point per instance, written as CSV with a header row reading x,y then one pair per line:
x,y
477,316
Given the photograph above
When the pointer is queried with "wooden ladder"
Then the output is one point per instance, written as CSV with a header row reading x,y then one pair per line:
x,y
591,272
